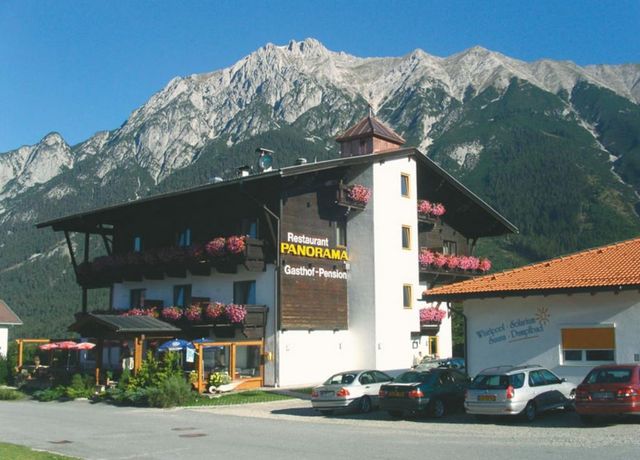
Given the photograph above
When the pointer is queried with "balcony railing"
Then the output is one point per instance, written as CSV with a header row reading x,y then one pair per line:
x,y
222,254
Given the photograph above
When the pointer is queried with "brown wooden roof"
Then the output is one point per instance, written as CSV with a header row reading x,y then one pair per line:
x,y
7,316
371,126
612,267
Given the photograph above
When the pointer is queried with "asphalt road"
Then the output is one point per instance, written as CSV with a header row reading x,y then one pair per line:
x,y
291,430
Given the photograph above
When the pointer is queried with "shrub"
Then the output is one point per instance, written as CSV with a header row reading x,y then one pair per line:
x,y
219,378
173,391
50,394
9,394
5,372
80,387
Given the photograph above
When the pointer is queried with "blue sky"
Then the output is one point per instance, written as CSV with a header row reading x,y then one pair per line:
x,y
78,67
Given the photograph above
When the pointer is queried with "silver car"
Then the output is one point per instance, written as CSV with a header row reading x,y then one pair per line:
x,y
523,390
351,389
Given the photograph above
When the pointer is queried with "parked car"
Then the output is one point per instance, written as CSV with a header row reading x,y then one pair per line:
x,y
449,363
522,390
609,390
352,389
434,391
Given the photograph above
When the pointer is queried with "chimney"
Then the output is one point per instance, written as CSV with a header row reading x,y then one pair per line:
x,y
244,171
368,136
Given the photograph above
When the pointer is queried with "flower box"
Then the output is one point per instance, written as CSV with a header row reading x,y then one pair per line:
x,y
199,268
353,196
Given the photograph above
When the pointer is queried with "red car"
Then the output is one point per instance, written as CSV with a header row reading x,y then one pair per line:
x,y
609,390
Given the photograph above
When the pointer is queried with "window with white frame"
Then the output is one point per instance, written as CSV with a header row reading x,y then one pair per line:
x,y
404,185
407,301
588,344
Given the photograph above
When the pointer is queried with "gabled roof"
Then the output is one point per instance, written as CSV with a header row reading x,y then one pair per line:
x,y
612,267
371,126
7,316
478,219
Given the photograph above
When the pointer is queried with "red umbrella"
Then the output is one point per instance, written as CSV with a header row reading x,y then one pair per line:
x,y
85,346
66,345
48,346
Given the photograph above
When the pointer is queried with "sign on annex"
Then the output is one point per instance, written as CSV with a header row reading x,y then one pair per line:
x,y
516,329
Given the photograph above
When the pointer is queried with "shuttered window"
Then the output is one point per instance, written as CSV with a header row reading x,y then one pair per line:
x,y
588,344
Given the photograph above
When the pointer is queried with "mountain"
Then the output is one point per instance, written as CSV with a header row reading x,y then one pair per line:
x,y
553,146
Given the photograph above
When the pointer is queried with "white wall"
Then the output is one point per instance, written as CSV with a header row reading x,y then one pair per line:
x,y
310,357
394,266
544,347
4,340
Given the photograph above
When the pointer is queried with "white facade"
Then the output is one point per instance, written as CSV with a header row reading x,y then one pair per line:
x,y
4,340
379,334
516,330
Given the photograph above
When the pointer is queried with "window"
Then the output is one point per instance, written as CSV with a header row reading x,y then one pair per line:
x,y
244,292
549,377
137,244
449,248
588,344
250,227
136,298
184,238
341,233
433,345
536,379
404,185
406,237
182,295
407,301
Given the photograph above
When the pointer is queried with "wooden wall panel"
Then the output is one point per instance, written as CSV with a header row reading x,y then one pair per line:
x,y
311,302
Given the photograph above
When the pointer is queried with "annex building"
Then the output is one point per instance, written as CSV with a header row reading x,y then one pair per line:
x,y
567,314
296,272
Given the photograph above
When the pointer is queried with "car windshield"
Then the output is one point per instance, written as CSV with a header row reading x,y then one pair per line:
x,y
609,376
344,378
497,382
414,377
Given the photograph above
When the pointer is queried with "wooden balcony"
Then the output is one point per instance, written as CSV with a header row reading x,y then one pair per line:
x,y
168,263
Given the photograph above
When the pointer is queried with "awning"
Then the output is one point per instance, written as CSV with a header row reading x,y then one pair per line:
x,y
118,327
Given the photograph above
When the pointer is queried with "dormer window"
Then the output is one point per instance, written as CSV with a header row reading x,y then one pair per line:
x,y
184,238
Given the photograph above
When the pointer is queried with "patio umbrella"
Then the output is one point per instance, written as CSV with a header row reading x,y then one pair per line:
x,y
66,345
48,346
176,345
85,346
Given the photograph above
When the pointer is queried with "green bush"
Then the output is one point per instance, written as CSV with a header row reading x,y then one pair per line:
x,y
50,394
219,378
5,371
80,387
172,391
8,394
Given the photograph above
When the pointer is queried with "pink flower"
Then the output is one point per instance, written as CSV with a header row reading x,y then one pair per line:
x,y
236,313
432,315
438,209
193,313
465,263
485,265
196,252
453,261
358,194
475,263
172,313
426,257
141,312
215,311
440,260
235,245
424,207
216,247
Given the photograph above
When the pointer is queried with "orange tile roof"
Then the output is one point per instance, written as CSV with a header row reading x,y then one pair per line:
x,y
606,267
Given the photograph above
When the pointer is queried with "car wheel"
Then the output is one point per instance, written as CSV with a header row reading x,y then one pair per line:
x,y
437,408
326,412
587,419
395,413
529,413
365,405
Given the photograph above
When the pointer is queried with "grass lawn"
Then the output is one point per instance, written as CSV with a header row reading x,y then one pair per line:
x,y
13,452
243,397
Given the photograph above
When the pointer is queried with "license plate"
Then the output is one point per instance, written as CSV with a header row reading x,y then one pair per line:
x,y
486,397
326,393
602,395
396,394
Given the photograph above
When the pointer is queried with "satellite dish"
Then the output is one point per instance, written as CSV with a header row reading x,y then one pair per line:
x,y
265,161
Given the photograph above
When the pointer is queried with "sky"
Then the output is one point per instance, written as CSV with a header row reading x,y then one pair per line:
x,y
79,67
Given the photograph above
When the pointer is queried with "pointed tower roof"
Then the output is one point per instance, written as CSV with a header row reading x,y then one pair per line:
x,y
370,126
